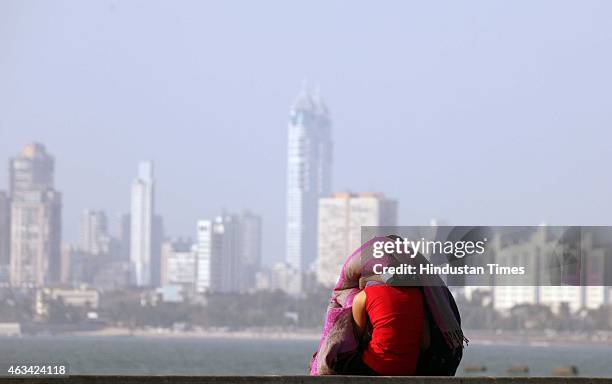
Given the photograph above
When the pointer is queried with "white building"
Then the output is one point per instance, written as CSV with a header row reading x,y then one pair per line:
x,y
219,255
228,253
205,263
537,252
141,228
87,298
10,329
340,220
309,160
178,264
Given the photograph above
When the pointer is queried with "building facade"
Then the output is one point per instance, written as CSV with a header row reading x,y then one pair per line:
x,y
309,161
94,237
157,239
141,226
250,248
5,236
178,264
205,263
35,219
228,251
125,223
551,260
341,217
219,254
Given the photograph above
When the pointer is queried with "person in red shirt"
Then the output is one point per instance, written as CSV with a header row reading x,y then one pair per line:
x,y
399,330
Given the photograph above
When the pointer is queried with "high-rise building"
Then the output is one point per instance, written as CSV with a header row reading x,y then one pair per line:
x,y
250,248
125,222
178,264
228,250
35,219
141,228
5,236
31,170
546,256
207,261
94,236
100,271
78,266
157,239
309,160
340,220
98,259
218,254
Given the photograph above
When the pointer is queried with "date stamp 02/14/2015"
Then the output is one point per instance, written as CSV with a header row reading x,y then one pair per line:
x,y
34,369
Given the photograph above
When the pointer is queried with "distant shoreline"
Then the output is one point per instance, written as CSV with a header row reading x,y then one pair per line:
x,y
204,334
537,339
477,337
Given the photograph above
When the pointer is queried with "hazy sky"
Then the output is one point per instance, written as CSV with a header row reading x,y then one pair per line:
x,y
473,112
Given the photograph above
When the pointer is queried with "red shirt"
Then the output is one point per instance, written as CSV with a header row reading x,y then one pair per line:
x,y
397,317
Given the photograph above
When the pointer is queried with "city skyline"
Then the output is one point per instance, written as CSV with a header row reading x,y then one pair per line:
x,y
226,255
210,189
454,112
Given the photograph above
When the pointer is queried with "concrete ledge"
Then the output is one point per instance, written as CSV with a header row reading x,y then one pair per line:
x,y
300,380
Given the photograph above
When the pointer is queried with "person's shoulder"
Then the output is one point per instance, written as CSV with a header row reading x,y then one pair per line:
x,y
360,297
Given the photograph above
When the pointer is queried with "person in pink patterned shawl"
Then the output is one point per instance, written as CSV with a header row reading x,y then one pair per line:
x,y
342,342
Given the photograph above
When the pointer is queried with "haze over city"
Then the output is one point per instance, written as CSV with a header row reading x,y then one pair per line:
x,y
474,114
216,190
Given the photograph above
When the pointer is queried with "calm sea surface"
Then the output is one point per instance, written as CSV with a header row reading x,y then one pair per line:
x,y
207,356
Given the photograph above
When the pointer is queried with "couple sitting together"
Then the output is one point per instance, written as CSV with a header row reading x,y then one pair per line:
x,y
389,325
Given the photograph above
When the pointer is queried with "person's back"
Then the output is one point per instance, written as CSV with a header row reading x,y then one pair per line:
x,y
397,316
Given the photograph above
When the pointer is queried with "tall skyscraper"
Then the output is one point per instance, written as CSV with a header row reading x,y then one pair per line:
x,y
309,160
141,228
228,249
94,236
5,236
31,170
35,219
340,220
